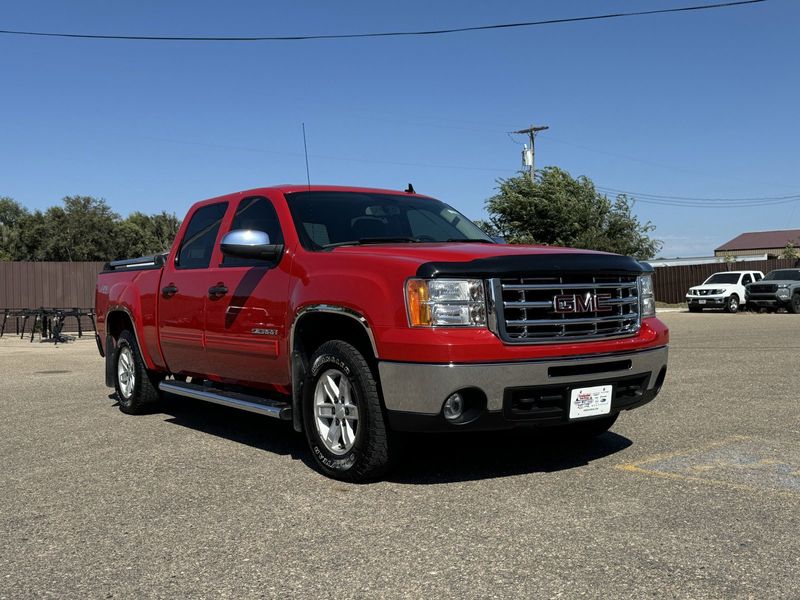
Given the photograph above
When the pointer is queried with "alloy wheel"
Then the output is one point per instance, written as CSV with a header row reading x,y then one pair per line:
x,y
335,412
126,376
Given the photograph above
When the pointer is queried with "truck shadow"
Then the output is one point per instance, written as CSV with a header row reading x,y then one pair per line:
x,y
235,425
432,459
422,459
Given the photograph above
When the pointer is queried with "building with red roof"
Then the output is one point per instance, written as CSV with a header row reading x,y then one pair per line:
x,y
759,242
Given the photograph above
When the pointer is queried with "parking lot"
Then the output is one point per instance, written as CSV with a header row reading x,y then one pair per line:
x,y
696,495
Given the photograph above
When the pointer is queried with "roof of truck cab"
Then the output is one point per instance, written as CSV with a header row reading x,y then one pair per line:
x,y
291,188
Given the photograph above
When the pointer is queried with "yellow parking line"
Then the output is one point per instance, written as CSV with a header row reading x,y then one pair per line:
x,y
637,467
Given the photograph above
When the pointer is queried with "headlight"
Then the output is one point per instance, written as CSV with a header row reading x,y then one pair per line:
x,y
647,300
445,303
783,285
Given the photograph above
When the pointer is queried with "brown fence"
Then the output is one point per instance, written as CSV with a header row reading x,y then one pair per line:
x,y
672,283
50,285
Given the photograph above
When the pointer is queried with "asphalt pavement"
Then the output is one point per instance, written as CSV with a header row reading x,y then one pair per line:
x,y
696,495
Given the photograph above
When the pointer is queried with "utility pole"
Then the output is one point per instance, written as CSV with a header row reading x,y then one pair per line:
x,y
529,154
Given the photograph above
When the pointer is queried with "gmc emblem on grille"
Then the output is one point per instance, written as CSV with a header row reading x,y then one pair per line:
x,y
575,303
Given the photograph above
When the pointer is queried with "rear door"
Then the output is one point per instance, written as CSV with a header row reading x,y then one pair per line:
x,y
184,290
246,319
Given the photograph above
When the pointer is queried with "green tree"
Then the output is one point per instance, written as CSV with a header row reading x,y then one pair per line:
x,y
12,218
82,228
560,210
790,251
142,234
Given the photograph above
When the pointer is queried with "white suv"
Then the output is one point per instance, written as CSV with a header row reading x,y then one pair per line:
x,y
722,290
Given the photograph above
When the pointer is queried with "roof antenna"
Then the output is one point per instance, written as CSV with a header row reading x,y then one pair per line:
x,y
305,149
410,189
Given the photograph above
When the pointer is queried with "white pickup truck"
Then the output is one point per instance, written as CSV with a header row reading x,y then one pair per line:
x,y
722,290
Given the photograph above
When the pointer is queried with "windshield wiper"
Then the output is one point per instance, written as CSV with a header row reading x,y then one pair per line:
x,y
373,240
470,241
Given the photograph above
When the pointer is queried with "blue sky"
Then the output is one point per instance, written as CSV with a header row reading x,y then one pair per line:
x,y
695,104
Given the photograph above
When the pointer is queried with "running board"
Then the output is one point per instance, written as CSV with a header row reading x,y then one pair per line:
x,y
254,404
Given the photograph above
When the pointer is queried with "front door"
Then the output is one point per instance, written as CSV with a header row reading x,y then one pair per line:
x,y
184,292
246,318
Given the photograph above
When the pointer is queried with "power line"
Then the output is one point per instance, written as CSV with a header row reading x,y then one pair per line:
x,y
342,36
717,203
697,199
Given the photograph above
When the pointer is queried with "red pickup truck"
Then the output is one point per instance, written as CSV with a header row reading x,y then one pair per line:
x,y
355,313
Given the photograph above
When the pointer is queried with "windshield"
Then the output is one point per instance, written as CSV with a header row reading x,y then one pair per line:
x,y
783,275
328,219
723,278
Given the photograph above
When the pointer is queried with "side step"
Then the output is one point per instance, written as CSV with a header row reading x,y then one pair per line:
x,y
255,404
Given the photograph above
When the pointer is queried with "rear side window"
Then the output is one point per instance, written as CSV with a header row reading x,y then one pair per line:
x,y
757,276
746,279
201,234
257,214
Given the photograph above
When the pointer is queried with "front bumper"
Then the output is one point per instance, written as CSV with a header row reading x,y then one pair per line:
x,y
707,301
515,393
767,300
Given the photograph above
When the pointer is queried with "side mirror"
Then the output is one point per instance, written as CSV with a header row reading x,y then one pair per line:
x,y
248,243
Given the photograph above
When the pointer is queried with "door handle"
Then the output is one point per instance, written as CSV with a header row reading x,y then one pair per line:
x,y
217,290
169,290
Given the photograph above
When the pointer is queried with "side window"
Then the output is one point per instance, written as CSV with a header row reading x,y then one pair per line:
x,y
757,276
746,279
201,233
257,214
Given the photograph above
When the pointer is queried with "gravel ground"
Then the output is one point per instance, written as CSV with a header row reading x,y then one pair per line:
x,y
696,495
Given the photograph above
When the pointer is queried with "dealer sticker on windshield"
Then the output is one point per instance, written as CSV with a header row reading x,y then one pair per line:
x,y
590,401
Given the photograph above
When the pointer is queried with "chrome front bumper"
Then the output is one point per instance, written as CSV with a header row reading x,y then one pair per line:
x,y
422,388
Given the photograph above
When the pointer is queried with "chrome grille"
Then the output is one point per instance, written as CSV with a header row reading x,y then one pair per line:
x,y
526,308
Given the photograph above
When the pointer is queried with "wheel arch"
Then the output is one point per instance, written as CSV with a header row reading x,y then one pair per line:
x,y
316,324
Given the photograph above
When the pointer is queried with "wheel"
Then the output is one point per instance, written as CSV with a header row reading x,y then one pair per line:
x,y
794,304
732,304
586,430
694,308
136,387
342,414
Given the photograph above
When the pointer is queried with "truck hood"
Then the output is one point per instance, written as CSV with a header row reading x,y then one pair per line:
x,y
712,286
453,251
454,259
778,282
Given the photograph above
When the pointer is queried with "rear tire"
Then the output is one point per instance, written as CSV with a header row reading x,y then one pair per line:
x,y
136,387
732,304
343,416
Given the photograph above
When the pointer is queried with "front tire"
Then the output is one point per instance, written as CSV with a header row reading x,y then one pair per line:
x,y
794,304
694,308
732,304
136,387
343,416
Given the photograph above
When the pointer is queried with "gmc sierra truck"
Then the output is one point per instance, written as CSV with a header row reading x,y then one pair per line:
x,y
356,313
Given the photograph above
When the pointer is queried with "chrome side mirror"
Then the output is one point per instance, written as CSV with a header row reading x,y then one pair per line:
x,y
249,243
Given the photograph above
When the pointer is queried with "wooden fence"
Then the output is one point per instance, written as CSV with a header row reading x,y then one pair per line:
x,y
672,283
50,285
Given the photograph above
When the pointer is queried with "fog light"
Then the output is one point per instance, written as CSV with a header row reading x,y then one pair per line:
x,y
453,407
